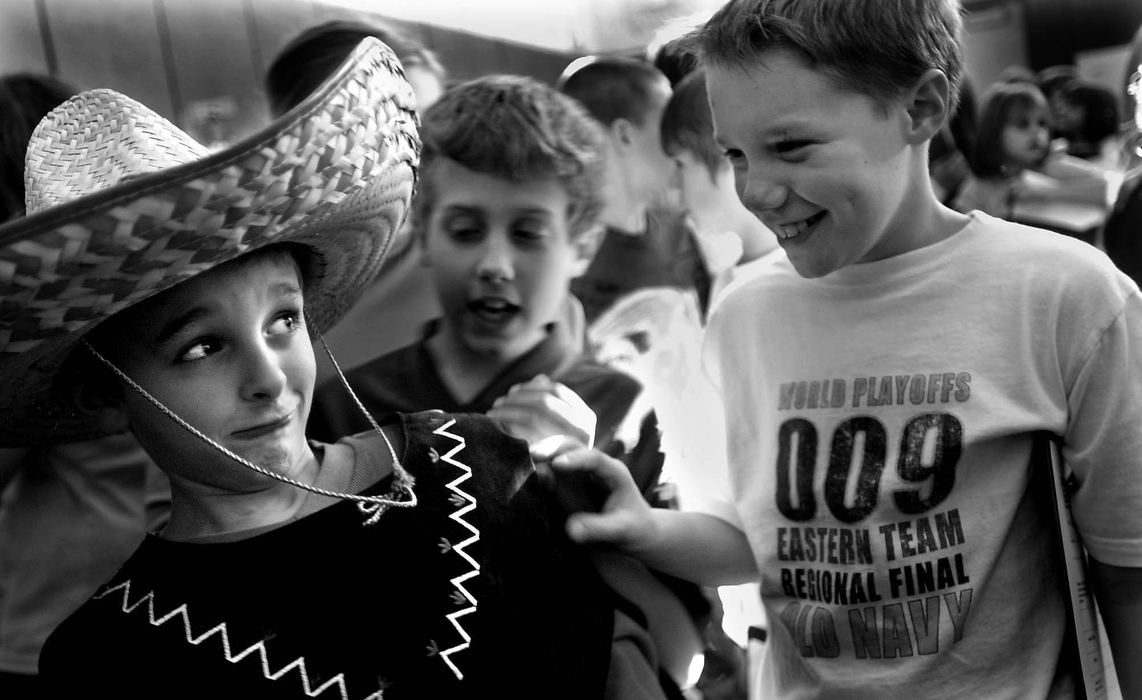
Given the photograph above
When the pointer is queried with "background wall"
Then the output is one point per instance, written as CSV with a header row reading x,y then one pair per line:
x,y
200,62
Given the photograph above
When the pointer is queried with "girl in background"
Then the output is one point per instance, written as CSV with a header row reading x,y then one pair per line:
x,y
1013,169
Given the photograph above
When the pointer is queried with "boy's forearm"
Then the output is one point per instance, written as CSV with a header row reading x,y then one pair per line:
x,y
699,548
1119,594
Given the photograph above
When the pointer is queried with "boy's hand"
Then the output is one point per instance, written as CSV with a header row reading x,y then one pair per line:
x,y
541,408
606,505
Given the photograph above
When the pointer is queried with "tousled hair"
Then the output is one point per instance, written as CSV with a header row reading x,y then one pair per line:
x,y
1100,112
1000,102
314,54
516,129
615,88
877,48
688,125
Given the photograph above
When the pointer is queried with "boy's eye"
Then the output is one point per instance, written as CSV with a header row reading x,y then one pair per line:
x,y
734,155
529,230
463,228
286,322
790,147
199,349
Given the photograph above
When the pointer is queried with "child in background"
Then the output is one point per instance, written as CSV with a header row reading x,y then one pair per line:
x,y
733,242
69,514
1012,159
163,289
1089,117
506,215
885,388
646,242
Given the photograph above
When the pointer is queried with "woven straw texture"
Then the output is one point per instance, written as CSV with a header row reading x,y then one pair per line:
x,y
122,205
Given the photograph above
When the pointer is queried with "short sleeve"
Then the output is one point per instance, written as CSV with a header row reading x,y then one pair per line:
x,y
1103,442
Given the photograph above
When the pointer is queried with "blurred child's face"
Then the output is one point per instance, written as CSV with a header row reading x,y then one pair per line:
x,y
823,168
502,258
648,165
695,183
1026,137
226,351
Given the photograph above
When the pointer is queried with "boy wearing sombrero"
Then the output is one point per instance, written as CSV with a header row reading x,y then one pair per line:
x,y
159,288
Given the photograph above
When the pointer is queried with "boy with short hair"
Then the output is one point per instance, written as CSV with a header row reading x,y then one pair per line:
x,y
169,290
884,389
506,215
733,242
646,242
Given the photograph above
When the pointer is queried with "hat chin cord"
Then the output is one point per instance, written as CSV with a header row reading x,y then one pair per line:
x,y
401,495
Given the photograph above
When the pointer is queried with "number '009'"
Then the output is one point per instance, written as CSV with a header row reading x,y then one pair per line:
x,y
930,447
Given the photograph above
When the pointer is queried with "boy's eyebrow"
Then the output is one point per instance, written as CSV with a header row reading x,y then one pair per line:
x,y
478,210
171,328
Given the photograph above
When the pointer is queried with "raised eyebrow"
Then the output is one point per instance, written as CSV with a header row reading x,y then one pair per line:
x,y
175,325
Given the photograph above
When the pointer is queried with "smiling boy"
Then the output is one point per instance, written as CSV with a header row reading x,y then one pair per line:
x,y
902,547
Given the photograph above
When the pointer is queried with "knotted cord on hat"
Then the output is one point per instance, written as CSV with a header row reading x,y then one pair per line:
x,y
401,495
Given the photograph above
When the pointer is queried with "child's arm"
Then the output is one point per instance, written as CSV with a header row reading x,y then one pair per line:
x,y
1119,594
694,546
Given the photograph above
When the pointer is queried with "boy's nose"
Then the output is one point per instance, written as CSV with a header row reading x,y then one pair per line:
x,y
496,264
760,193
265,379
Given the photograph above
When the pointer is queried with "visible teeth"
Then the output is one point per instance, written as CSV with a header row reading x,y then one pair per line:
x,y
792,230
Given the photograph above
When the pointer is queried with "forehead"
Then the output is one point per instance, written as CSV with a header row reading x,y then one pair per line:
x,y
470,190
779,90
268,273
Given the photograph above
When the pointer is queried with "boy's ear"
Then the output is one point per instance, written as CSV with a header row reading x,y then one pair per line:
x,y
928,106
105,409
585,247
621,131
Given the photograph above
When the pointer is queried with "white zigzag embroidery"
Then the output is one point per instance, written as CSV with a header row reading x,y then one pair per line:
x,y
458,516
183,612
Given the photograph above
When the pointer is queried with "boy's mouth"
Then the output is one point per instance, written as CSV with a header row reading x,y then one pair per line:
x,y
265,428
493,310
790,231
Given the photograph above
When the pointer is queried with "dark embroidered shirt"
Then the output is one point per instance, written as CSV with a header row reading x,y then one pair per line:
x,y
474,591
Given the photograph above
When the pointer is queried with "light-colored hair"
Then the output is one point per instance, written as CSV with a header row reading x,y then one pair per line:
x,y
877,48
517,129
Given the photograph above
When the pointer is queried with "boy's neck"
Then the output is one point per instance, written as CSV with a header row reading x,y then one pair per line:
x,y
464,373
196,512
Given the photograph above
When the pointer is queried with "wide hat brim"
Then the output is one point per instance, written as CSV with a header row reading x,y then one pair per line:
x,y
335,174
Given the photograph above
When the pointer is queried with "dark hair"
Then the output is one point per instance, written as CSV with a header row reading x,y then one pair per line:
x,y
676,60
877,48
517,129
614,87
25,98
688,125
1099,105
1000,102
312,56
1056,78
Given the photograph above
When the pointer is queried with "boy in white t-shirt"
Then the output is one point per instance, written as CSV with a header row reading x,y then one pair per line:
x,y
884,387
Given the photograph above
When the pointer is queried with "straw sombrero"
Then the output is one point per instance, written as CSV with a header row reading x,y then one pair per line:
x,y
122,204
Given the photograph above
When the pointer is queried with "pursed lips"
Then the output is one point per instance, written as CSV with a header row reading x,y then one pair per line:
x,y
264,428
